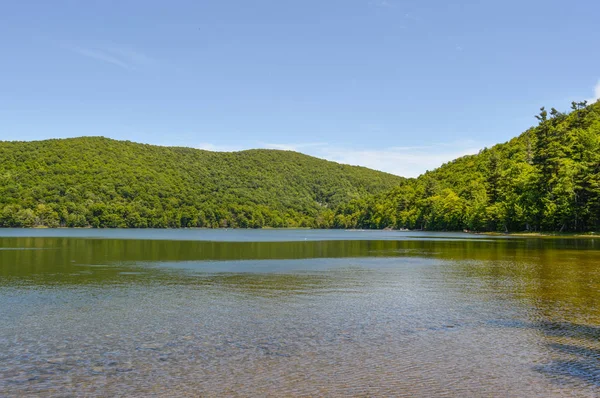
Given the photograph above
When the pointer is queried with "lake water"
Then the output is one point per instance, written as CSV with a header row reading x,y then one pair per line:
x,y
297,313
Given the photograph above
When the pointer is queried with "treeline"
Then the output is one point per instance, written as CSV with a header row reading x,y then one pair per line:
x,y
99,182
547,179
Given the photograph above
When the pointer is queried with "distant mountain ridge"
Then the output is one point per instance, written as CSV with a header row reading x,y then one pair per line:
x,y
100,182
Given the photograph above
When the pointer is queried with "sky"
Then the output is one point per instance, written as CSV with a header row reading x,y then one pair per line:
x,y
398,86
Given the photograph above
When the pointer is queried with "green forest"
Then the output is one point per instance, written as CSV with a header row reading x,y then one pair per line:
x,y
546,179
99,182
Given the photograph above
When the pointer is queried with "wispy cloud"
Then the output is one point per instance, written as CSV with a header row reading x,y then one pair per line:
x,y
596,96
133,57
381,3
102,56
295,147
207,146
120,57
403,161
409,161
412,17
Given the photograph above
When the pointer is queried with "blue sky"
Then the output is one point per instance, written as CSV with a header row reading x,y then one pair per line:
x,y
400,86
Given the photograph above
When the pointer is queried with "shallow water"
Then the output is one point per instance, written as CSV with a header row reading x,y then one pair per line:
x,y
272,313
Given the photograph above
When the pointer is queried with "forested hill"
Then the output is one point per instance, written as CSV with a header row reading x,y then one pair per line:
x,y
547,179
99,182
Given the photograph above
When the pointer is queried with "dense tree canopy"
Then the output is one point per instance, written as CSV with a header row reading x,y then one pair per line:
x,y
547,179
99,182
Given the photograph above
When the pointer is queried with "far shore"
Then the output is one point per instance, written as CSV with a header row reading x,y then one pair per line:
x,y
523,234
541,234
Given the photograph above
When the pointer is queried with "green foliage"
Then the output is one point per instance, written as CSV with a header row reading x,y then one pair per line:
x,y
99,182
547,179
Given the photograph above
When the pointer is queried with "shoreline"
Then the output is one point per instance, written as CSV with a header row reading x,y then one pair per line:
x,y
577,235
515,234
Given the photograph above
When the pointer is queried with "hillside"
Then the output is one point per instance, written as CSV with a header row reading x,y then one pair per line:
x,y
547,179
99,182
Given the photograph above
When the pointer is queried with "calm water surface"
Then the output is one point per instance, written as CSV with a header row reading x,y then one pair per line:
x,y
297,313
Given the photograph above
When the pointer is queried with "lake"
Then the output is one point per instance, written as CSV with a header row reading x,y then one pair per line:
x,y
297,313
